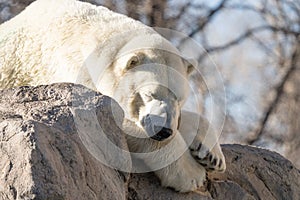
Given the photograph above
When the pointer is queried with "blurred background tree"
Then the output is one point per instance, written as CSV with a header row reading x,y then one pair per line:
x,y
256,47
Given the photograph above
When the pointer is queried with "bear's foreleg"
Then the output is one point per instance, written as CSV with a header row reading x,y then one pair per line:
x,y
183,175
202,141
171,160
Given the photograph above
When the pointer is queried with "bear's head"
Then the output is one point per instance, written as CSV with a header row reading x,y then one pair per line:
x,y
149,79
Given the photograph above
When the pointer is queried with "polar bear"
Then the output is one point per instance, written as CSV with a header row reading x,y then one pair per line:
x,y
70,41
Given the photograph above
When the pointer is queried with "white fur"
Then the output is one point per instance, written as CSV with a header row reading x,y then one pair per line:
x,y
70,41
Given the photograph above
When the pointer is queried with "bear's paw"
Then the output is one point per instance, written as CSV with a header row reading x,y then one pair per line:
x,y
211,160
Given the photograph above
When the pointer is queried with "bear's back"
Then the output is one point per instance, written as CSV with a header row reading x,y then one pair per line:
x,y
41,13
52,33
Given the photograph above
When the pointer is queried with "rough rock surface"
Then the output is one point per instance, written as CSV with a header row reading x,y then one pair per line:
x,y
252,173
42,156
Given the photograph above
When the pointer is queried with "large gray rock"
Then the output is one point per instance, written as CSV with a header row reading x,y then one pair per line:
x,y
252,173
43,156
259,173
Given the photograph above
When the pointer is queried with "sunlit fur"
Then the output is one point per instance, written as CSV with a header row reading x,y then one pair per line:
x,y
70,41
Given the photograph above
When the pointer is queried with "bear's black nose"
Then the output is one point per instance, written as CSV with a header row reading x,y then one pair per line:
x,y
162,133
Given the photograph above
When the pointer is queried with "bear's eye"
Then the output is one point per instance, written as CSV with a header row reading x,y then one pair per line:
x,y
132,62
148,97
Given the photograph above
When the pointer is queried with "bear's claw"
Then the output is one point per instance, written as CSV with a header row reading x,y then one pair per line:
x,y
211,160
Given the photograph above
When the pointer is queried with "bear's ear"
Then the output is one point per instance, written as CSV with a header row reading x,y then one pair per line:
x,y
133,61
190,64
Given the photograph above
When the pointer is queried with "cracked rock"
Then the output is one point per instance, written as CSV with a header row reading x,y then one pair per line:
x,y
43,155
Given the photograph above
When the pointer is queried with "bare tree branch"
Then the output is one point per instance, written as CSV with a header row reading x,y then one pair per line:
x,y
245,36
132,9
204,21
268,50
279,93
155,12
172,21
